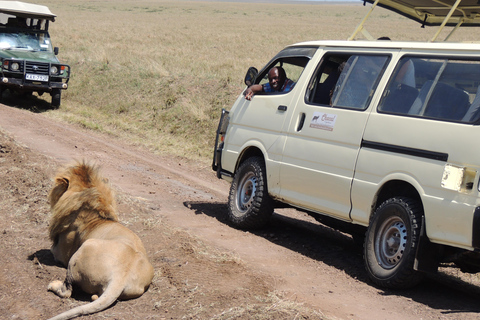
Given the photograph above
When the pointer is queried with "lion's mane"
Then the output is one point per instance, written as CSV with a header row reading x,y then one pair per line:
x,y
90,199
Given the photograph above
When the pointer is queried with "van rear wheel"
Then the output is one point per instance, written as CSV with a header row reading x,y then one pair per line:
x,y
249,205
391,242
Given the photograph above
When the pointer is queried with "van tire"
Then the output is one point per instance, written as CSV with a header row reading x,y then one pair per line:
x,y
391,242
249,205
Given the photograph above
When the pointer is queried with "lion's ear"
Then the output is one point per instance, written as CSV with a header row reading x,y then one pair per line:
x,y
62,182
61,185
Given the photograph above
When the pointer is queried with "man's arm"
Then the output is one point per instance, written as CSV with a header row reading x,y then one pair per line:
x,y
253,89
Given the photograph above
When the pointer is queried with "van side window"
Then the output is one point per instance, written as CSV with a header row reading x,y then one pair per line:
x,y
439,89
347,81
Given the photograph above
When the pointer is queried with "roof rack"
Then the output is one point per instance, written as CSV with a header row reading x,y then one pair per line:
x,y
28,10
441,13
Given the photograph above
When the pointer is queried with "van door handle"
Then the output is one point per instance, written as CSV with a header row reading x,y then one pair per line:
x,y
301,121
282,108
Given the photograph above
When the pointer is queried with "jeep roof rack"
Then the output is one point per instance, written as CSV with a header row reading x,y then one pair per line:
x,y
454,13
28,10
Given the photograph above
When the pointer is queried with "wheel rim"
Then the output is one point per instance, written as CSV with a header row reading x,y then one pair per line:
x,y
246,192
391,242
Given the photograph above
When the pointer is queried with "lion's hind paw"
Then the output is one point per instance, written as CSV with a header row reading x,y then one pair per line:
x,y
58,287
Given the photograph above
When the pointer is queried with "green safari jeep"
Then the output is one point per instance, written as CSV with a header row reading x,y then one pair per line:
x,y
28,60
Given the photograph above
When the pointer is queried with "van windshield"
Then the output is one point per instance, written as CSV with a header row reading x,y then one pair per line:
x,y
25,40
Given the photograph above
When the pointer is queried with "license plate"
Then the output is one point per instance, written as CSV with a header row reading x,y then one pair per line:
x,y
36,77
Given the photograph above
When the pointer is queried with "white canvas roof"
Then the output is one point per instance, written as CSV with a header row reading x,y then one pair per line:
x,y
434,12
28,10
441,13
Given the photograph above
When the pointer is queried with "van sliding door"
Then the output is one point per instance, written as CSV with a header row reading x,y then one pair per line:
x,y
424,134
325,133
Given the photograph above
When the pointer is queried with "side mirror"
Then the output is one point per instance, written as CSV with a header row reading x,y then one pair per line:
x,y
250,76
55,50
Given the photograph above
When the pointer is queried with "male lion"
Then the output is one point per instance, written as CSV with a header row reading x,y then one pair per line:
x,y
104,258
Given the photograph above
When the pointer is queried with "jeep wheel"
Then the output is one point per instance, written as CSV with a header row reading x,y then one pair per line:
x,y
391,242
249,205
56,98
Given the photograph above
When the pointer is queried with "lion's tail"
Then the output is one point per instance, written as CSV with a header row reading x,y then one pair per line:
x,y
111,294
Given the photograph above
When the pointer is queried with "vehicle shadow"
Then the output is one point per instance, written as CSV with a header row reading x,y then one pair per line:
x,y
25,101
314,240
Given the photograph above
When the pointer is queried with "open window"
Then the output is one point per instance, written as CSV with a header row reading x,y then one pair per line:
x,y
292,60
321,87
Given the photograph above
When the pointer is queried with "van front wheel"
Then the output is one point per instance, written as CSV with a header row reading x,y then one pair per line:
x,y
391,242
249,205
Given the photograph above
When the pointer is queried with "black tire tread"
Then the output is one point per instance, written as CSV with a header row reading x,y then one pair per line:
x,y
56,98
406,277
261,211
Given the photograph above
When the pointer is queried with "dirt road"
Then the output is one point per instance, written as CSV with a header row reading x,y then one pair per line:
x,y
204,268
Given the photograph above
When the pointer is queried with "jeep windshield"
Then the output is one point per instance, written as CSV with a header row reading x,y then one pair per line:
x,y
25,40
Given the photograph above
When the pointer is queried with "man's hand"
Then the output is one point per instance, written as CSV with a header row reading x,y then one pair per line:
x,y
249,93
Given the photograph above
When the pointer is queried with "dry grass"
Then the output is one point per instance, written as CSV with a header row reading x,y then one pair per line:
x,y
157,73
274,306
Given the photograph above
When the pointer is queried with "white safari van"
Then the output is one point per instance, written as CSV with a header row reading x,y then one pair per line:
x,y
376,138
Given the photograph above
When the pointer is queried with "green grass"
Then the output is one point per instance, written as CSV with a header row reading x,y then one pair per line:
x,y
157,73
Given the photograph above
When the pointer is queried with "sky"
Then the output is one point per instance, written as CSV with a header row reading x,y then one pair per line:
x,y
293,1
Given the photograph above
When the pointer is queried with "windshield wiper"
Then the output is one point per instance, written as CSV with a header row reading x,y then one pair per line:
x,y
13,48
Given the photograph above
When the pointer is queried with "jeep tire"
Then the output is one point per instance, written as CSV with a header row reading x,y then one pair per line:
x,y
249,205
56,98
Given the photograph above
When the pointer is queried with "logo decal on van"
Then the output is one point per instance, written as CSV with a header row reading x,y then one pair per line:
x,y
323,121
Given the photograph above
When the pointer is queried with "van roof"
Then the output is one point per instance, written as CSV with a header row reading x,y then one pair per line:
x,y
454,46
27,10
441,13
434,12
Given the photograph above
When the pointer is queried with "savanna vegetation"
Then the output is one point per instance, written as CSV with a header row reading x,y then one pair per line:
x,y
157,73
